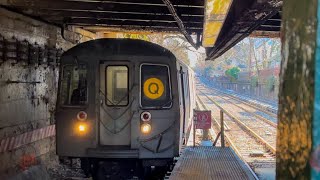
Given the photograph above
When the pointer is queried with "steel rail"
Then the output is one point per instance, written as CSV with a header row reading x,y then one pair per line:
x,y
253,114
230,142
253,105
269,146
249,104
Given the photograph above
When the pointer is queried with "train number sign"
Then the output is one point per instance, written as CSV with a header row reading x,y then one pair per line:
x,y
202,119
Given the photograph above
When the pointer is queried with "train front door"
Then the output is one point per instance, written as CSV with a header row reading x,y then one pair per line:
x,y
115,103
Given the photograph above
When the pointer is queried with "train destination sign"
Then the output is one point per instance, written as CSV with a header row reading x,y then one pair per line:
x,y
202,119
153,88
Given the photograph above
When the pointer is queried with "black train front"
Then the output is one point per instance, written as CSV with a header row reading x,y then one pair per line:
x,y
123,105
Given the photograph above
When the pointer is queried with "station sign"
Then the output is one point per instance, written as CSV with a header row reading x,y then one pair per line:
x,y
202,119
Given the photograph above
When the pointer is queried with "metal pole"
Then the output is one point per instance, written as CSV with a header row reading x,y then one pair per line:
x,y
205,134
222,128
194,132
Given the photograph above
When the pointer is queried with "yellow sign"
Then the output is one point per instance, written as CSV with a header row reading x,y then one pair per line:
x,y
136,36
153,88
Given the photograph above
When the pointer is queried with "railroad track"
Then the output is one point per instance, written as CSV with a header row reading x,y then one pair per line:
x,y
250,109
215,125
255,106
250,146
259,126
267,109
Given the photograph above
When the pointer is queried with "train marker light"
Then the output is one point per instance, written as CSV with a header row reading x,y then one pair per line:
x,y
82,116
145,128
145,116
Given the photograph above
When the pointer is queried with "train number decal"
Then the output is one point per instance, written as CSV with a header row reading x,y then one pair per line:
x,y
153,88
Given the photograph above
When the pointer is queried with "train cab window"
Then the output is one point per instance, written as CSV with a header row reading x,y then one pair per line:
x,y
73,85
155,86
117,86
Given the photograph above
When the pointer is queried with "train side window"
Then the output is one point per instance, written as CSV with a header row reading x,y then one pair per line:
x,y
117,86
155,86
73,90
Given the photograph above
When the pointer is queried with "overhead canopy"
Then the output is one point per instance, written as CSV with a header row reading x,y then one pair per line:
x,y
127,14
244,17
236,18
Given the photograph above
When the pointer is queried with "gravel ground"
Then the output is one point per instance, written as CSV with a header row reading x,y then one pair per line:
x,y
59,171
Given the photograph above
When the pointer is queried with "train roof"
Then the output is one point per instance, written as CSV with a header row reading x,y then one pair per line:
x,y
119,47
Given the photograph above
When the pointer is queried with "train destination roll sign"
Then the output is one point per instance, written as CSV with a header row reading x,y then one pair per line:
x,y
153,88
202,119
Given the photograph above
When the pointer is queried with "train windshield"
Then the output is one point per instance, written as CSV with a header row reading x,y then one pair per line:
x,y
155,86
73,85
117,86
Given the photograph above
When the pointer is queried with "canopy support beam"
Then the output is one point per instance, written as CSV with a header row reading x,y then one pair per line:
x,y
180,23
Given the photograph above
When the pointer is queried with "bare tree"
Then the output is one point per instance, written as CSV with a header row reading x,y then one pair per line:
x,y
253,53
177,44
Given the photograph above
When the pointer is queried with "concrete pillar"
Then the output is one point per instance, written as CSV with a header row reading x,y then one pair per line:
x,y
315,155
296,96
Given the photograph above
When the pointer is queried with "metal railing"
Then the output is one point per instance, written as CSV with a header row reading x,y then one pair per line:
x,y
222,124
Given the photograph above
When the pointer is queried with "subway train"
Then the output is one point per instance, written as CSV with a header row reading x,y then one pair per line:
x,y
124,107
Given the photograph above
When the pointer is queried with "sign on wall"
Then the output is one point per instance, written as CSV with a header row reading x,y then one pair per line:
x,y
202,119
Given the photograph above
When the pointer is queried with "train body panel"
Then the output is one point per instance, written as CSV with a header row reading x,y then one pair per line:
x,y
108,88
187,98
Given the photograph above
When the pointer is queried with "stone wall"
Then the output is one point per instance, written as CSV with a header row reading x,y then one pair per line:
x,y
29,58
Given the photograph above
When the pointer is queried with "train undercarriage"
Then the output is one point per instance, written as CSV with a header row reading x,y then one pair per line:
x,y
118,169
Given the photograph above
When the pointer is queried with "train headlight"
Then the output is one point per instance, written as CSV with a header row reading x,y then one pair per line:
x,y
82,128
145,128
145,116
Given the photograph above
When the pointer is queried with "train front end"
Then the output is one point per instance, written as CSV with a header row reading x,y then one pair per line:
x,y
118,101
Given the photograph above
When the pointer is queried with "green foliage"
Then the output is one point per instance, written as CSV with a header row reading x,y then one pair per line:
x,y
233,73
254,81
270,83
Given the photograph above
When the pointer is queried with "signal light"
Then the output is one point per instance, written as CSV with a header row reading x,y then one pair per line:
x,y
82,116
145,128
145,116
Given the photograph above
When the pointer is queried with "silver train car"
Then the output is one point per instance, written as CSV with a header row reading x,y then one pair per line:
x,y
123,104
